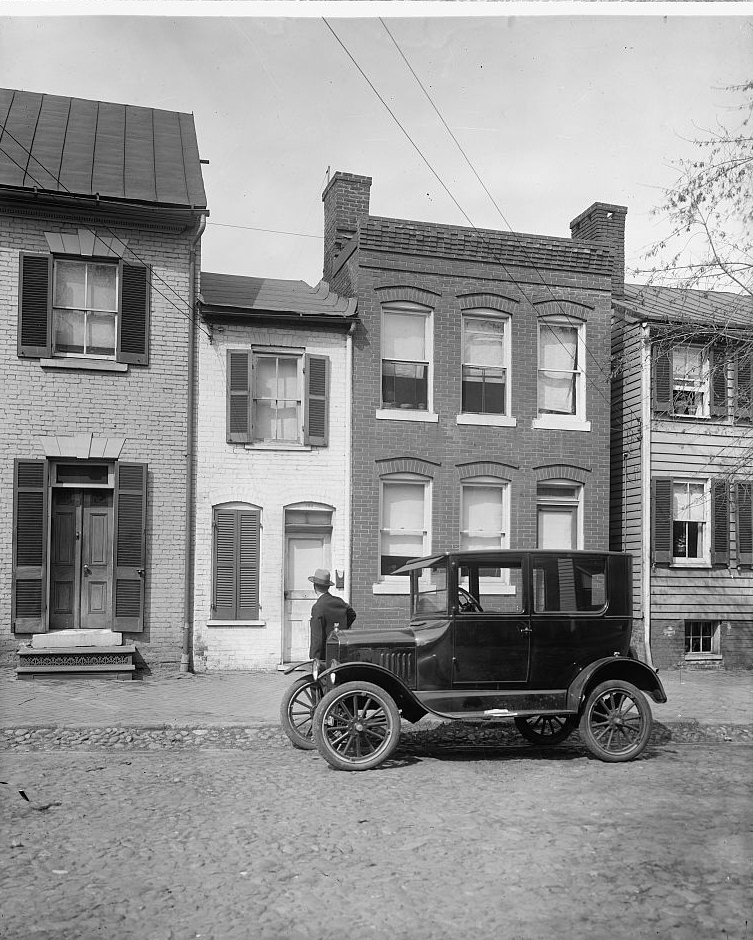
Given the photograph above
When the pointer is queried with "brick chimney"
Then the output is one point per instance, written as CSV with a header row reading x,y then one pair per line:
x,y
605,224
346,200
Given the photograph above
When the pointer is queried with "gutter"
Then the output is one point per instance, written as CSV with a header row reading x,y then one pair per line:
x,y
646,488
185,658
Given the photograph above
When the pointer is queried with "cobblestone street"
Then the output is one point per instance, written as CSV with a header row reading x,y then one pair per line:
x,y
263,841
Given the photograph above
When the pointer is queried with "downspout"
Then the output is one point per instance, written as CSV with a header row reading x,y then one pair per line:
x,y
646,489
185,658
348,457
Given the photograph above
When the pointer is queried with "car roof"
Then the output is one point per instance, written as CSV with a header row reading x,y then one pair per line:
x,y
430,560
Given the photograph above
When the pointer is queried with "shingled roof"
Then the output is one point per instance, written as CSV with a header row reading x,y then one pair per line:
x,y
85,148
254,297
718,310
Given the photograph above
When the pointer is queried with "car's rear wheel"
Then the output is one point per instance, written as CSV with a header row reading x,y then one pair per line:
x,y
356,726
297,712
546,729
615,724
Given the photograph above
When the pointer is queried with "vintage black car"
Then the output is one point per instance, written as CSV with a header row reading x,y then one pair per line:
x,y
539,637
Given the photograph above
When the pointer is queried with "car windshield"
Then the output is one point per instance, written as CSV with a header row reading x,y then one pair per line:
x,y
429,590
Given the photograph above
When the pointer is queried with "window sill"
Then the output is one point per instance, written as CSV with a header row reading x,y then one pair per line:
x,y
703,657
93,365
391,587
554,423
406,414
236,623
279,445
691,563
491,421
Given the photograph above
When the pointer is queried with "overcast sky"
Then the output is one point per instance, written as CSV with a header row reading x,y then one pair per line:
x,y
554,111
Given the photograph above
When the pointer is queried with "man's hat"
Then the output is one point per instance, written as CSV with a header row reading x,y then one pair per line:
x,y
321,577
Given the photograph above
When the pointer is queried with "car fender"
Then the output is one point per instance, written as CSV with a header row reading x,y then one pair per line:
x,y
614,667
410,706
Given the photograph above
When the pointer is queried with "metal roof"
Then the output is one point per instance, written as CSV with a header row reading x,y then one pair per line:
x,y
116,151
239,295
714,309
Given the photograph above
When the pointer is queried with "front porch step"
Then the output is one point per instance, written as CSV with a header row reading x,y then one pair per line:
x,y
71,662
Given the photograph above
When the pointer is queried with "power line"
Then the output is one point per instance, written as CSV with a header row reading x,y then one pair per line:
x,y
271,231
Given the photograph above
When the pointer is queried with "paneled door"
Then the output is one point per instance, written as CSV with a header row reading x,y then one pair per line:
x,y
81,559
304,553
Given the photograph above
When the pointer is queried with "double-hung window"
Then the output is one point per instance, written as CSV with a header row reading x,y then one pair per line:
x,y
561,375
277,397
483,515
690,381
691,505
406,357
485,364
85,309
405,515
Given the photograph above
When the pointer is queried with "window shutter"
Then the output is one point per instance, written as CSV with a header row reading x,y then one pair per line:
x,y
719,522
34,305
130,546
745,523
718,403
661,520
225,565
29,582
238,420
662,381
744,386
235,594
316,420
133,323
248,567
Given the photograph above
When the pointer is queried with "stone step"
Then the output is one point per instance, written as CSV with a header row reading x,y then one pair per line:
x,y
59,638
76,662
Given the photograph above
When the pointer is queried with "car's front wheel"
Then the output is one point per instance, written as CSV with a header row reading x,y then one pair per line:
x,y
356,726
615,724
546,729
297,711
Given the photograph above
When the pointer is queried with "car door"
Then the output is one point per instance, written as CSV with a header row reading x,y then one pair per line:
x,y
492,630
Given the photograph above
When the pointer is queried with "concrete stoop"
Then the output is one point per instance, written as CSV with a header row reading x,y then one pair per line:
x,y
70,654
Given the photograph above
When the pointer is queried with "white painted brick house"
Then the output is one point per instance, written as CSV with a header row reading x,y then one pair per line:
x,y
272,466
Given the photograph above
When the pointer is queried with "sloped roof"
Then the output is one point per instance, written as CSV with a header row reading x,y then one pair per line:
x,y
81,147
715,309
484,245
252,296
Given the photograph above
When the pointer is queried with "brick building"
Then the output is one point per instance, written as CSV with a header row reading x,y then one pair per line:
x,y
272,488
101,211
481,387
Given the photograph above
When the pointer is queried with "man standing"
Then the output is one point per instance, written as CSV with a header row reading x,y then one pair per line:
x,y
328,613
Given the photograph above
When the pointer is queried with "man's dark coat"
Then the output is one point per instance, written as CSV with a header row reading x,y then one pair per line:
x,y
327,613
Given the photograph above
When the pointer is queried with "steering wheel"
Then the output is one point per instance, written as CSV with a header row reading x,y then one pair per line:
x,y
468,603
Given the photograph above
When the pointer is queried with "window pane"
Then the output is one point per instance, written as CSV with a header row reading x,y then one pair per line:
x,y
687,363
689,502
287,379
266,377
556,527
403,506
558,347
407,546
482,512
483,342
100,334
404,385
404,336
557,393
483,390
70,284
263,423
69,331
287,421
102,287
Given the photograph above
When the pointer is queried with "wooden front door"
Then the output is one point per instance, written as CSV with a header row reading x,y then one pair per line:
x,y
81,559
304,554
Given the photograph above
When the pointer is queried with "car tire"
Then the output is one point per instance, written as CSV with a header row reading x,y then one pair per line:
x,y
615,724
356,726
546,729
297,712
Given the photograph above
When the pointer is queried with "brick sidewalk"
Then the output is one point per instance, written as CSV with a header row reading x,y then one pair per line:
x,y
245,699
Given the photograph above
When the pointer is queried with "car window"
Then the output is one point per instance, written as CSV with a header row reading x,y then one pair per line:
x,y
495,588
569,583
429,590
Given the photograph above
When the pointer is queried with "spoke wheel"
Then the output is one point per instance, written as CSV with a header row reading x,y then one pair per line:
x,y
356,726
615,724
546,729
297,712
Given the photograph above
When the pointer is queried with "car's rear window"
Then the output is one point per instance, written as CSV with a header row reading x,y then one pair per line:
x,y
569,583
